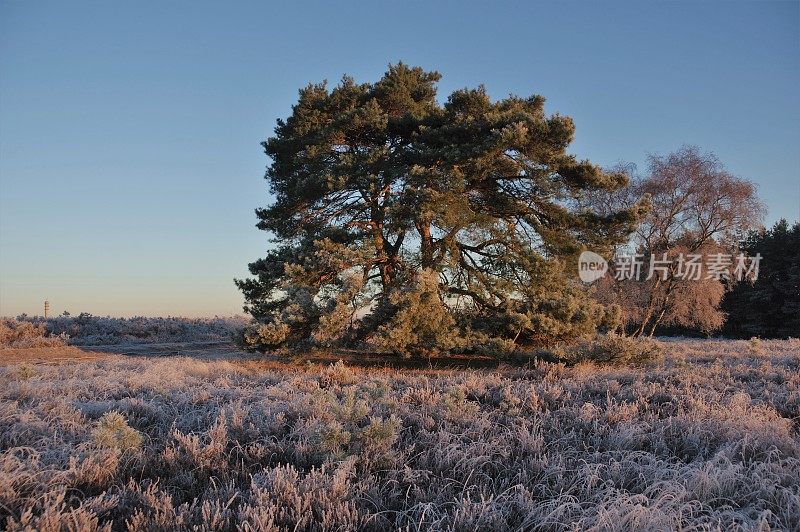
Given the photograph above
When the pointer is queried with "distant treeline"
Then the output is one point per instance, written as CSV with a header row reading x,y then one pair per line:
x,y
86,329
770,306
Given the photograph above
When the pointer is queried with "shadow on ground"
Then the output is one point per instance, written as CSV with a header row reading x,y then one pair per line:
x,y
230,352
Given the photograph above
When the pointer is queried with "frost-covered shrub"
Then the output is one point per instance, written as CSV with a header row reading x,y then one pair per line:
x,y
350,408
613,349
754,345
25,371
112,431
380,434
203,453
337,374
25,334
332,438
262,336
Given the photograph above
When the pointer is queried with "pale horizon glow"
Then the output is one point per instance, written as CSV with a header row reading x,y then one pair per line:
x,y
130,164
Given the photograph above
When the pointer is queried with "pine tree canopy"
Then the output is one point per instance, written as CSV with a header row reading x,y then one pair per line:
x,y
413,226
769,306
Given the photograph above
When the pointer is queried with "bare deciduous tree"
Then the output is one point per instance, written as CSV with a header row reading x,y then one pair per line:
x,y
696,207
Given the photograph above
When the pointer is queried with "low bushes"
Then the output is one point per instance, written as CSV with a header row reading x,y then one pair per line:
x,y
24,334
612,349
88,330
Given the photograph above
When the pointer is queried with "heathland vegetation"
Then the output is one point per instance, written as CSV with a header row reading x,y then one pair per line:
x,y
704,439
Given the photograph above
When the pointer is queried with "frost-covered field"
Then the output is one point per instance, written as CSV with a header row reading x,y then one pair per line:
x,y
708,439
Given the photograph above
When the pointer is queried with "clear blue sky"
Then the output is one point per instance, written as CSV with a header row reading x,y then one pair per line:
x,y
130,162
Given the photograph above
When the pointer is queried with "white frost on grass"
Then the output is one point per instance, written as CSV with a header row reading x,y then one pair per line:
x,y
706,439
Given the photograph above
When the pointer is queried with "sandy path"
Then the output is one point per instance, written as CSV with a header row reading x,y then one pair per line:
x,y
58,355
46,355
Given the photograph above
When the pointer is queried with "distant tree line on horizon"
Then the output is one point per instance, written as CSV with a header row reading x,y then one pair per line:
x,y
87,330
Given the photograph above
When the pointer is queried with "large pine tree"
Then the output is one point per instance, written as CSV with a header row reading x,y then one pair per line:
x,y
413,226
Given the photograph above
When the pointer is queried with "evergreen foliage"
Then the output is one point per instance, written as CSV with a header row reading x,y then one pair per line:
x,y
420,227
770,306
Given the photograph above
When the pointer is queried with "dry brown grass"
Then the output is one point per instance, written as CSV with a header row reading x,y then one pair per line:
x,y
705,439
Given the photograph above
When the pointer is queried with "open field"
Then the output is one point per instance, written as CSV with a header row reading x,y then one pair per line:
x,y
707,439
